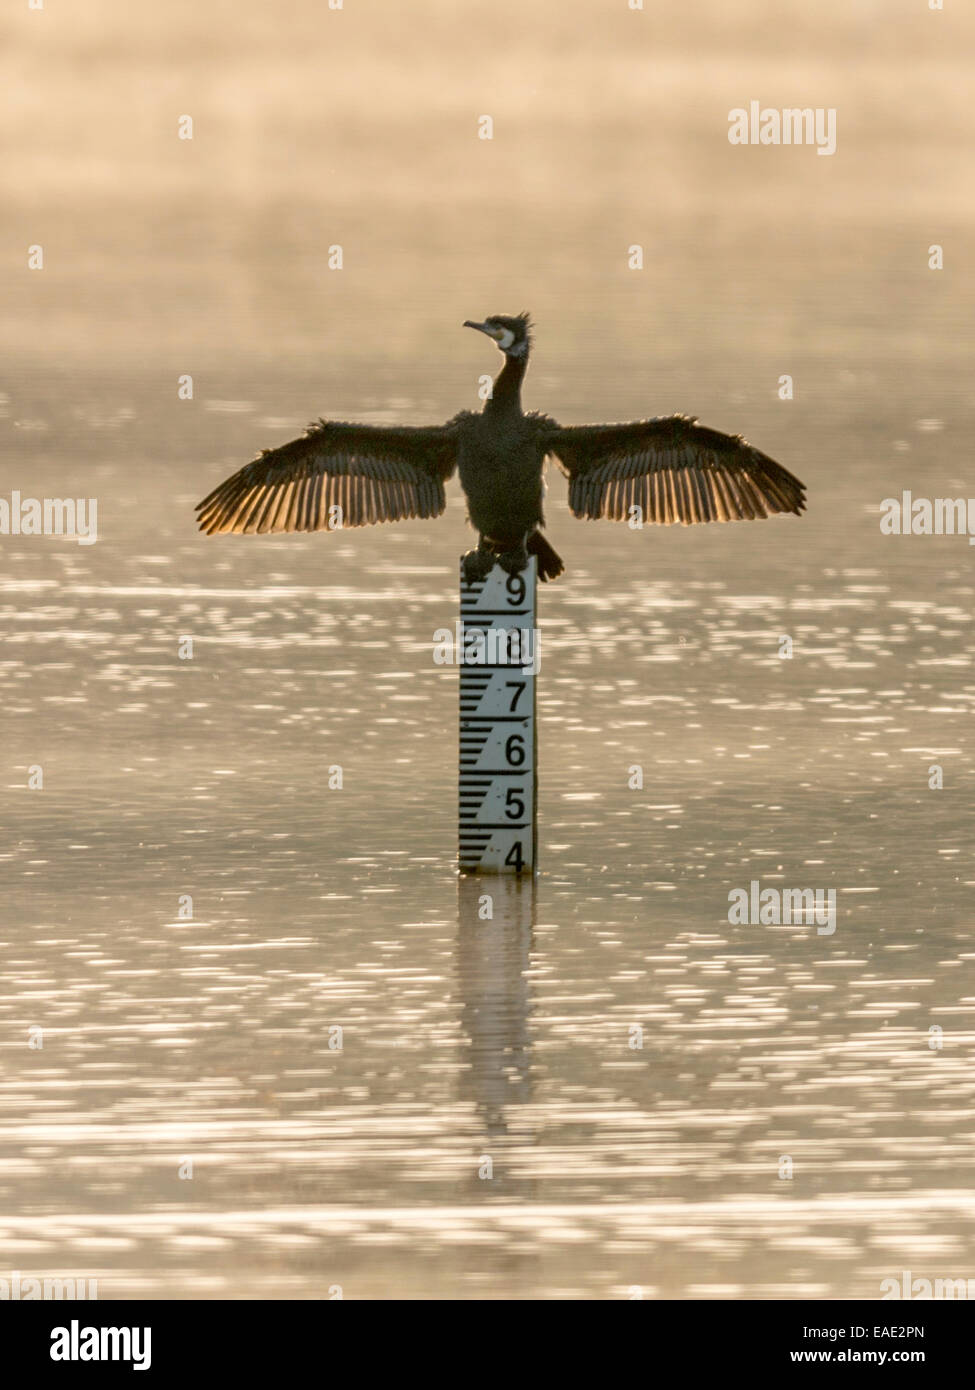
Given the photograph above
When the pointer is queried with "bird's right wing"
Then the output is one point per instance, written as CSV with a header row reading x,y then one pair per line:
x,y
672,469
372,472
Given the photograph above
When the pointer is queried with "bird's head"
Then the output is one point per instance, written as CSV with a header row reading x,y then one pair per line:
x,y
513,335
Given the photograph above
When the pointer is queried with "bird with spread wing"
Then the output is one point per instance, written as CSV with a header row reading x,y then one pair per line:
x,y
662,471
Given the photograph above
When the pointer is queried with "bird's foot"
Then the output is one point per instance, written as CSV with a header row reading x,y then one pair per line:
x,y
514,561
476,565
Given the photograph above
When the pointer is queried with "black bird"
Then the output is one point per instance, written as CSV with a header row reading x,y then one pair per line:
x,y
672,469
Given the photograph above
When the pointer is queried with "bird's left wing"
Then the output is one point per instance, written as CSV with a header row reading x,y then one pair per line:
x,y
673,469
372,472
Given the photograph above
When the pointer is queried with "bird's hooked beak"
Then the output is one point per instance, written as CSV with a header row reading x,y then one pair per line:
x,y
492,332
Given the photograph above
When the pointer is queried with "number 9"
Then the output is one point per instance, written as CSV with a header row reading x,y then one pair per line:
x,y
516,588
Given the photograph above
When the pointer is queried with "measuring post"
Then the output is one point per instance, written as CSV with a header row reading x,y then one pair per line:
x,y
499,657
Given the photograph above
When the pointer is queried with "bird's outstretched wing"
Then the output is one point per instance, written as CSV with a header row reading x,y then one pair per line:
x,y
673,469
372,472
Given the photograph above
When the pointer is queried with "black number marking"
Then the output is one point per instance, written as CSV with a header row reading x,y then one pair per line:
x,y
514,804
514,750
516,589
518,687
514,857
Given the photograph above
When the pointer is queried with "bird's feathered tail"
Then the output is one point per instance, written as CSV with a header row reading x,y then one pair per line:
x,y
550,564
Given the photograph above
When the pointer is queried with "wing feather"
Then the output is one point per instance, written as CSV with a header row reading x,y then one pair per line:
x,y
674,469
373,473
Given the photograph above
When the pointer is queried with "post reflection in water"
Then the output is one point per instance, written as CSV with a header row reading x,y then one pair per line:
x,y
495,924
495,936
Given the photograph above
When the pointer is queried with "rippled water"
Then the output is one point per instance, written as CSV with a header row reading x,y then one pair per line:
x,y
502,1045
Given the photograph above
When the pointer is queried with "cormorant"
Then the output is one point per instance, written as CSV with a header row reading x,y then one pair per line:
x,y
671,468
